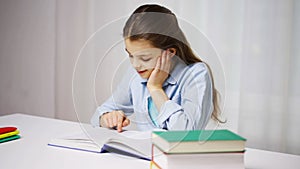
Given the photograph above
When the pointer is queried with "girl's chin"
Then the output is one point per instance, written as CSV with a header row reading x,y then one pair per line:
x,y
146,74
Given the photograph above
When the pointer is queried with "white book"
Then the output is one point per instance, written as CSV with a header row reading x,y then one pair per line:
x,y
229,160
101,140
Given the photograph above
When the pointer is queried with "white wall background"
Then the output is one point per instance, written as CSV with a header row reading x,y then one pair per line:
x,y
257,42
27,57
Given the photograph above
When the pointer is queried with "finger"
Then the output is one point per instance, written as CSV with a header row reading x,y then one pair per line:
x,y
126,122
104,121
169,56
158,63
114,119
163,58
168,62
120,123
165,62
101,121
110,121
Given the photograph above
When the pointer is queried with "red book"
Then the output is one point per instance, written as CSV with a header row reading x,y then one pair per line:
x,y
7,129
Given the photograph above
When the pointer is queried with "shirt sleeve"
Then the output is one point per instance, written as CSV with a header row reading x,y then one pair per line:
x,y
120,100
195,107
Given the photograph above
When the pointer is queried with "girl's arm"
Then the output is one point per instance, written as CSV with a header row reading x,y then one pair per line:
x,y
158,77
195,106
119,101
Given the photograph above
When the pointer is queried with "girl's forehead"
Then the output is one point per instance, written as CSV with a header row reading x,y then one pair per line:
x,y
146,52
141,46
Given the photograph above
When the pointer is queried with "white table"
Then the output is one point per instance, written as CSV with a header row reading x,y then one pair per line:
x,y
31,151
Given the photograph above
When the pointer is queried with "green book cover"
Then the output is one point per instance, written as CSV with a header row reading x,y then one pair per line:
x,y
198,135
9,138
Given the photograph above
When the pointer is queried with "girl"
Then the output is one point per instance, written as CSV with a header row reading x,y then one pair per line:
x,y
171,87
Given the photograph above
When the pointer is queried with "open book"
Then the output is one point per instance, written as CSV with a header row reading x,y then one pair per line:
x,y
101,140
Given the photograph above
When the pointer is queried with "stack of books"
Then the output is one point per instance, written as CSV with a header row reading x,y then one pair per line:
x,y
8,134
208,149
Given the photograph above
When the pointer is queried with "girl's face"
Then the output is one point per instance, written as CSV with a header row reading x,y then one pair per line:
x,y
143,56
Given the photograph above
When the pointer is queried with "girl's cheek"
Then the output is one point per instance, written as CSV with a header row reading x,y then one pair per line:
x,y
150,64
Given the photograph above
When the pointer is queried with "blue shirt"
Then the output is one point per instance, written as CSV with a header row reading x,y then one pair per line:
x,y
189,88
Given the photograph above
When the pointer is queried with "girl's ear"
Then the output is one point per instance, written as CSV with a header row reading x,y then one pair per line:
x,y
172,51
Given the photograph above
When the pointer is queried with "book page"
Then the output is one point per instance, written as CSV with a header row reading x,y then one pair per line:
x,y
78,141
138,141
135,140
94,139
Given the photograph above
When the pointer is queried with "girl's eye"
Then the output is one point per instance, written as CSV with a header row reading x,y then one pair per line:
x,y
146,59
130,56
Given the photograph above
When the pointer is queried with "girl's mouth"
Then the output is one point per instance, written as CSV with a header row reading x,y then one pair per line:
x,y
142,71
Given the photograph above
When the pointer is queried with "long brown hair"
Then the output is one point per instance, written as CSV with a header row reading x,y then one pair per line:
x,y
160,27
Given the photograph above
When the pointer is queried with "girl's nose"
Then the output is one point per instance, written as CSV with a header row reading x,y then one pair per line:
x,y
135,63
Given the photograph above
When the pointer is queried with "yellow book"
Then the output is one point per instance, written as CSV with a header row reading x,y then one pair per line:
x,y
9,134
